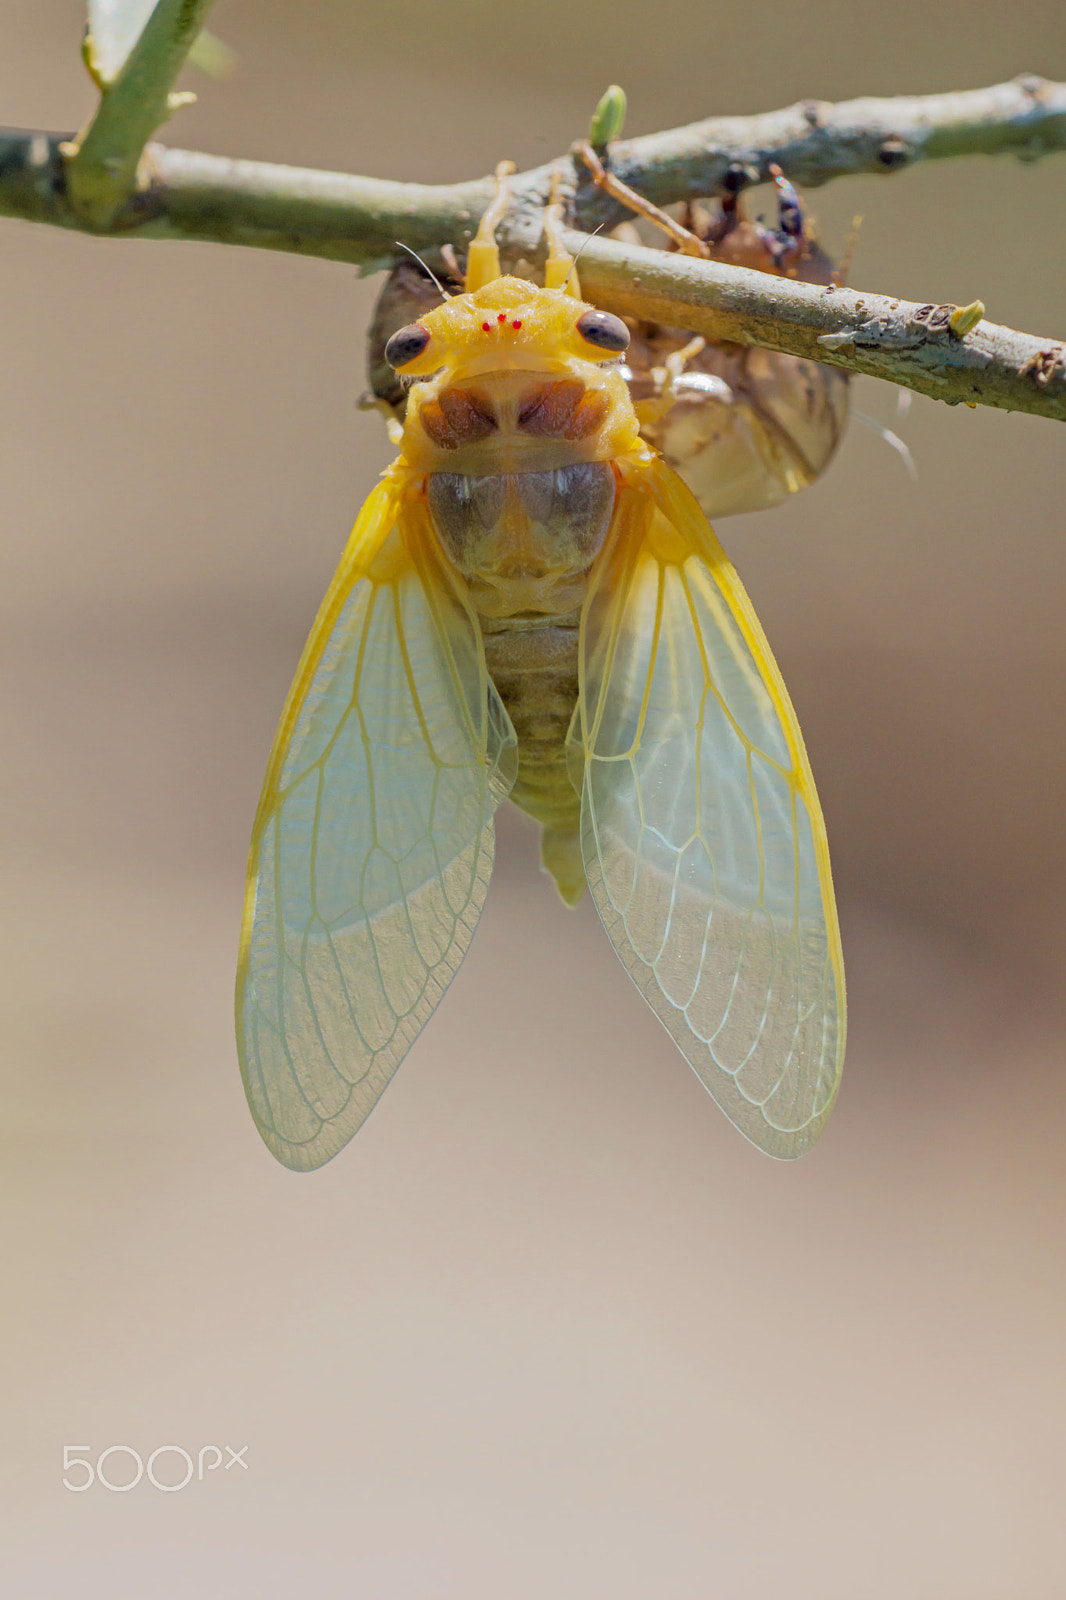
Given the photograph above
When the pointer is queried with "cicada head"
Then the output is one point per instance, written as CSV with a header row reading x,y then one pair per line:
x,y
513,377
546,323
509,325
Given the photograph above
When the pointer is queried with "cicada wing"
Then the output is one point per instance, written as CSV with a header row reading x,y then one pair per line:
x,y
702,835
373,844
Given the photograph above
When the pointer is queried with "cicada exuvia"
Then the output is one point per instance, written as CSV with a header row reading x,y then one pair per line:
x,y
744,426
533,604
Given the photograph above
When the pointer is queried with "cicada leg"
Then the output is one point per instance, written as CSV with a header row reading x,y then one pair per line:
x,y
560,268
483,256
780,248
788,244
666,380
689,243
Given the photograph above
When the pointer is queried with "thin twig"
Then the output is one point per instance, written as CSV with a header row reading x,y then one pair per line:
x,y
185,195
102,162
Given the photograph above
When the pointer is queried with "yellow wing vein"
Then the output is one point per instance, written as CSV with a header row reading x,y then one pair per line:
x,y
656,639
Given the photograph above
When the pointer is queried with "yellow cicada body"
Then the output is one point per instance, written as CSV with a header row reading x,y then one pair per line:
x,y
533,604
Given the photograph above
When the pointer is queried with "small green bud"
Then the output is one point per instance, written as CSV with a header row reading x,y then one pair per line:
x,y
963,318
609,117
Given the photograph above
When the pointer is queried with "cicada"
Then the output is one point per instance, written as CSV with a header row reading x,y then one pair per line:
x,y
532,604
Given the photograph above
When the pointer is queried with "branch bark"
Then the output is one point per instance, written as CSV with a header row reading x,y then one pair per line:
x,y
900,340
186,195
813,141
102,162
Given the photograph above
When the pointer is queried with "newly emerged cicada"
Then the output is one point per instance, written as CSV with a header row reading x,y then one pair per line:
x,y
533,604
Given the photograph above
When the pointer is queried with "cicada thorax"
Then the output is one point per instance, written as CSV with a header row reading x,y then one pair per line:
x,y
745,427
524,541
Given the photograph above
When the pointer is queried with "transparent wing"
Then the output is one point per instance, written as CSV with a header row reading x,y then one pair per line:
x,y
702,835
373,844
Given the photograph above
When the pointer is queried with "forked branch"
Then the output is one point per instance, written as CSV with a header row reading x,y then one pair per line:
x,y
102,162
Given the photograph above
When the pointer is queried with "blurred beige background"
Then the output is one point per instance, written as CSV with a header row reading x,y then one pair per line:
x,y
549,1327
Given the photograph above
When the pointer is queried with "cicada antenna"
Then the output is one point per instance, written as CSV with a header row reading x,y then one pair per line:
x,y
580,253
428,270
893,440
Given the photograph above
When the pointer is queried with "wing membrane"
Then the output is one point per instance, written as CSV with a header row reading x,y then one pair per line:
x,y
373,845
702,834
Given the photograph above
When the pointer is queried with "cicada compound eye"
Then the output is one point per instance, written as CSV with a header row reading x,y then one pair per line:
x,y
406,344
604,331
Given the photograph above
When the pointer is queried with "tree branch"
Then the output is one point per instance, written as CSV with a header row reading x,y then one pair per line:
x,y
185,195
813,141
909,344
102,161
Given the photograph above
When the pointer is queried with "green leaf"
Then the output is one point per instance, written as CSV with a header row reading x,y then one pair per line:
x,y
116,25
